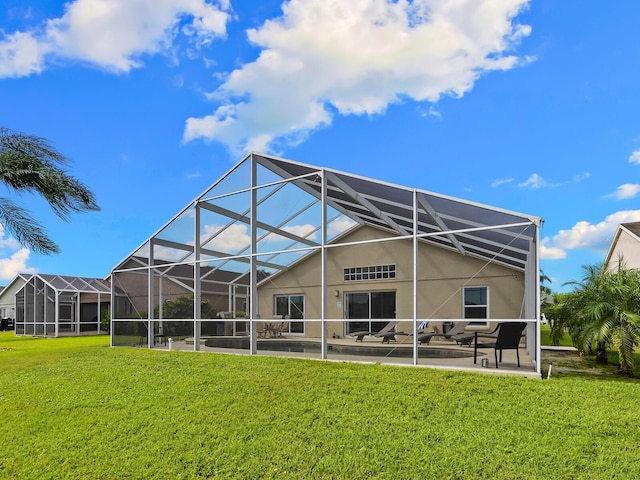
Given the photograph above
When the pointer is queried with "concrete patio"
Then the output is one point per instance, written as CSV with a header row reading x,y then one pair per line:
x,y
440,354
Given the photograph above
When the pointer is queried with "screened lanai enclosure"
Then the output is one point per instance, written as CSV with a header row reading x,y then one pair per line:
x,y
55,305
283,258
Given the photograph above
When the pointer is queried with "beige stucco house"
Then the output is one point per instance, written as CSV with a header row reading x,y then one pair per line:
x,y
444,278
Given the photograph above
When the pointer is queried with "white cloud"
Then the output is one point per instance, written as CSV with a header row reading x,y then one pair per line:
x,y
340,225
21,55
112,34
550,253
235,237
501,181
304,231
8,242
168,254
232,238
356,57
431,112
586,235
16,263
534,182
635,157
580,177
625,191
15,257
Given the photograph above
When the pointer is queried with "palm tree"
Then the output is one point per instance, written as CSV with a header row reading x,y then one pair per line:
x,y
607,309
30,164
546,295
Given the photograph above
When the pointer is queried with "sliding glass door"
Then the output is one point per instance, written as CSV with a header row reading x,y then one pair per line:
x,y
369,311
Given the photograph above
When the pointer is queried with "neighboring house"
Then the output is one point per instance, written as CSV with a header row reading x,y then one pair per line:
x,y
8,295
626,246
54,305
331,253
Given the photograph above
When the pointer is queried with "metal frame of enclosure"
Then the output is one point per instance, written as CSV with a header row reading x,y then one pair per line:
x,y
268,215
54,305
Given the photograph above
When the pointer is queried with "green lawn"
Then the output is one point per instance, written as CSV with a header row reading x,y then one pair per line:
x,y
545,337
75,408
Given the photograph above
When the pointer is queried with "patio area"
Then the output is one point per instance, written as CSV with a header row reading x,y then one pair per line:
x,y
441,354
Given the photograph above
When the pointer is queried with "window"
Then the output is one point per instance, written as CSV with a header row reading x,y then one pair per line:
x,y
376,272
368,308
476,304
291,306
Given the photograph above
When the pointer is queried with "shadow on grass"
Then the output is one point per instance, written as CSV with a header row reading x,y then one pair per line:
x,y
569,364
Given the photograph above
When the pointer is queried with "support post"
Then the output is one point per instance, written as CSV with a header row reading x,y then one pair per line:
x,y
150,288
532,300
98,316
112,297
78,311
56,302
253,276
323,274
415,277
197,290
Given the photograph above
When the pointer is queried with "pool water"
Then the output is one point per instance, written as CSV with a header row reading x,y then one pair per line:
x,y
359,350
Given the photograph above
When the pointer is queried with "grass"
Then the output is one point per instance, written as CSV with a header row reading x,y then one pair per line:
x,y
75,408
545,337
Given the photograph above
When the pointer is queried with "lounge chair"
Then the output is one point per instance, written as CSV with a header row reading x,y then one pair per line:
x,y
386,333
507,337
454,333
422,334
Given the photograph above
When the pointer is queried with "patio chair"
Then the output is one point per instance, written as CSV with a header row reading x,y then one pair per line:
x,y
279,328
264,330
143,332
386,333
507,337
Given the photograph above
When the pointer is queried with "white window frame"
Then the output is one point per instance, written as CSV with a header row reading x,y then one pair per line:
x,y
475,322
368,273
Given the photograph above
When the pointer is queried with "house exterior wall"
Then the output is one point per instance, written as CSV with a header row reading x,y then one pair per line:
x,y
441,276
8,297
627,245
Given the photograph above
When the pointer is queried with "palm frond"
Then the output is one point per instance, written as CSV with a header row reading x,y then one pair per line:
x,y
30,164
17,221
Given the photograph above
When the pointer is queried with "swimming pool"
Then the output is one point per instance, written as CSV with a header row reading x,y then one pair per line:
x,y
297,346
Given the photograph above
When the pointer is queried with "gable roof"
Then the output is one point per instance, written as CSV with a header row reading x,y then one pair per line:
x,y
73,284
19,278
631,229
289,198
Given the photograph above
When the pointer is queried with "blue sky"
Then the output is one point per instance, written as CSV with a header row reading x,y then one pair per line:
x,y
529,106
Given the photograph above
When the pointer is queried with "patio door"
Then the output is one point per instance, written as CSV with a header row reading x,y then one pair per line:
x,y
292,307
369,311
